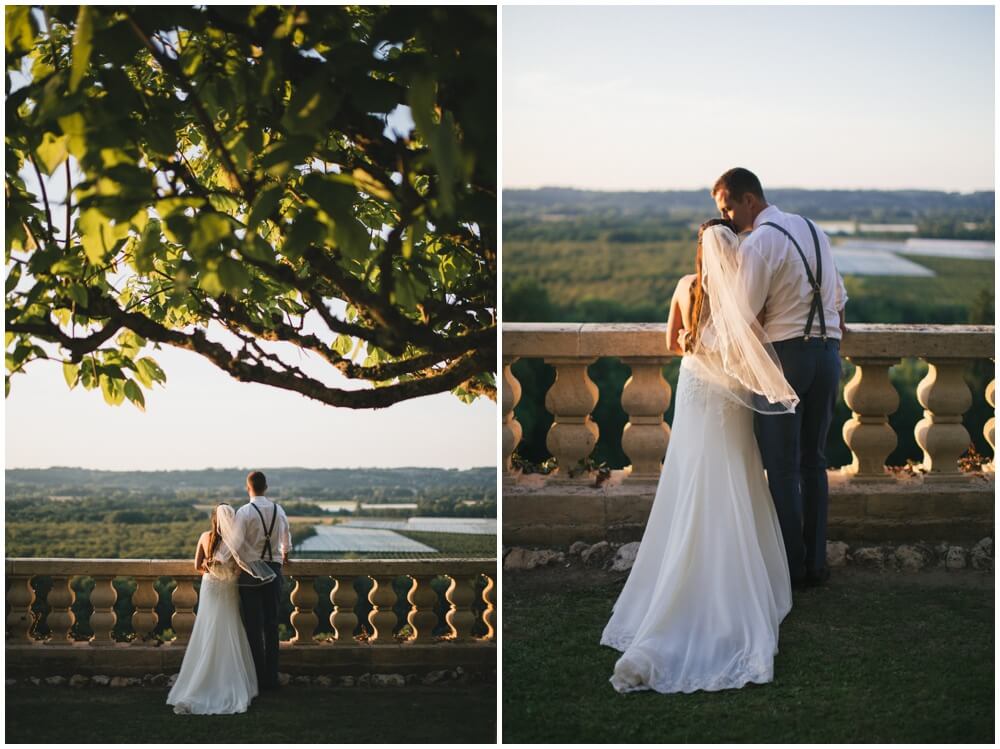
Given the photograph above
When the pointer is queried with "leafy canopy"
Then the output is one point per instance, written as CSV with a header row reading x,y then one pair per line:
x,y
240,176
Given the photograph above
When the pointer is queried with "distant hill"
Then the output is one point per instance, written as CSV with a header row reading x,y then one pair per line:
x,y
856,205
284,482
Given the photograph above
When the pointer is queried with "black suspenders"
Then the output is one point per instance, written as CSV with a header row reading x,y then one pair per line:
x,y
815,282
267,531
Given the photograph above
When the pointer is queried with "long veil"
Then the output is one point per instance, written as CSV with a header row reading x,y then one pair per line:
x,y
234,546
731,346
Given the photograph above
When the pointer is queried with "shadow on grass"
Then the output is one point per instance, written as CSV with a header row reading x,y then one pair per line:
x,y
870,658
302,715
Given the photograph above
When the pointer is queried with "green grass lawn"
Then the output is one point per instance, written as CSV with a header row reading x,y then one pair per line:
x,y
871,658
302,715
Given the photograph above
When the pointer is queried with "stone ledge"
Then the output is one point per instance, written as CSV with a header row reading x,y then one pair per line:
x,y
183,568
136,660
540,514
592,340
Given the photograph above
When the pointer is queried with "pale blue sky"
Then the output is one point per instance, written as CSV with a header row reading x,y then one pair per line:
x,y
645,97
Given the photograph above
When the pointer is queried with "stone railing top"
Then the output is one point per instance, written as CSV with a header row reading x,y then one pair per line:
x,y
310,567
592,340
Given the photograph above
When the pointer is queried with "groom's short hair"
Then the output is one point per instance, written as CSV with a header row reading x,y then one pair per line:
x,y
257,482
738,182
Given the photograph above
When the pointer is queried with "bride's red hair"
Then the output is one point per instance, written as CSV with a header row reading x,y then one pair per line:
x,y
697,289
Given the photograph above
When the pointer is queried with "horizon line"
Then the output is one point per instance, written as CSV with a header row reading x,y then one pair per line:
x,y
708,189
240,468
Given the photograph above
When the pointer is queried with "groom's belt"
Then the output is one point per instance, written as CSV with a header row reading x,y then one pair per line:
x,y
800,342
249,581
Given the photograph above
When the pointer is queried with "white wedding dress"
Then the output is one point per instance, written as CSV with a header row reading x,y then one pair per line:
x,y
217,674
710,584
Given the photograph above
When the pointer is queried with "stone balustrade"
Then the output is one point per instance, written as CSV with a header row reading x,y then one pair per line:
x,y
873,349
419,638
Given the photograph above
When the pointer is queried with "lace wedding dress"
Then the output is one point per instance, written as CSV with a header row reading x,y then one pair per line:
x,y
217,674
710,584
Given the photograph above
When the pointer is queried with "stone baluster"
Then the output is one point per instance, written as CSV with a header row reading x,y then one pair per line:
x,y
460,617
422,617
102,620
490,614
61,616
21,597
144,600
645,397
183,597
990,428
872,398
511,428
382,618
304,620
570,400
941,434
344,621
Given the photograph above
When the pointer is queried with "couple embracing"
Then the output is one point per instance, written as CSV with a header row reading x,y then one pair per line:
x,y
759,326
233,650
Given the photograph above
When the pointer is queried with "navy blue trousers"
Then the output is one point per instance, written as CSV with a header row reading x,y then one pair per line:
x,y
259,609
793,446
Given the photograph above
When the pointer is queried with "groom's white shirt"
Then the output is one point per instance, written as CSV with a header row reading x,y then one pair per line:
x,y
771,272
250,527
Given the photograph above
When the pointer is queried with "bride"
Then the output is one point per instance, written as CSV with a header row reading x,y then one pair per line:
x,y
710,584
217,674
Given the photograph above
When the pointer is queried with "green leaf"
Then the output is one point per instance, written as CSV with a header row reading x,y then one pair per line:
x,y
280,156
134,394
130,343
148,246
96,233
440,137
306,230
71,372
209,230
142,374
343,344
337,200
210,283
367,183
75,128
20,28
88,373
52,151
149,371
113,391
233,276
12,279
265,205
191,58
78,294
83,40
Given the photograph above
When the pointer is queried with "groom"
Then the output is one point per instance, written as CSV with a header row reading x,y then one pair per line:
x,y
787,270
264,526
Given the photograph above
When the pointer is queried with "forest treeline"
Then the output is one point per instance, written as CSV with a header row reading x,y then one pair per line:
x,y
370,485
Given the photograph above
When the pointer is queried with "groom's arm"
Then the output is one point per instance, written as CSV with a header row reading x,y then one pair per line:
x,y
754,274
284,535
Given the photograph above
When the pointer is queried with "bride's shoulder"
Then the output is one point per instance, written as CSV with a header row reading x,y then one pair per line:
x,y
684,285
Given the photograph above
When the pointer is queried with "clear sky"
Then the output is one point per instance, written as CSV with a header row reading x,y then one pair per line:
x,y
204,419
647,98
